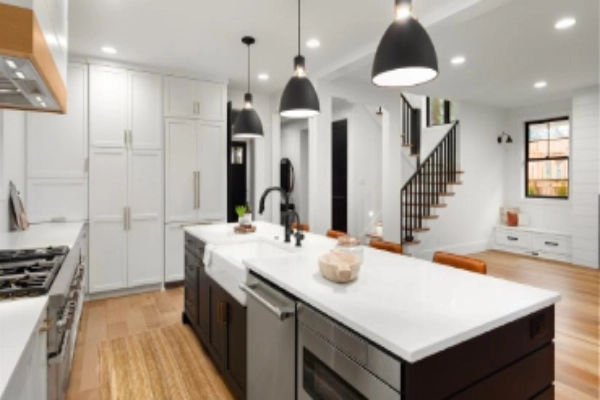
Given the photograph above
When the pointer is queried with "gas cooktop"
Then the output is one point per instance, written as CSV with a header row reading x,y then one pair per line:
x,y
29,272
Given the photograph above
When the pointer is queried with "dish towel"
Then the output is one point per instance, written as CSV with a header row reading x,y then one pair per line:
x,y
208,250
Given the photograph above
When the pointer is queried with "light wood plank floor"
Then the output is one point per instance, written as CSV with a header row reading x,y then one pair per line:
x,y
577,317
577,323
118,317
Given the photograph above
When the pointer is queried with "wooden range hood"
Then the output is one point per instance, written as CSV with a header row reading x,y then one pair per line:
x,y
29,76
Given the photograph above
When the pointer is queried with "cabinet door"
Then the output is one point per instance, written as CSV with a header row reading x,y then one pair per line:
x,y
145,110
174,244
212,142
218,329
203,303
191,288
57,199
235,364
57,143
29,379
212,101
108,238
145,235
108,106
181,167
180,97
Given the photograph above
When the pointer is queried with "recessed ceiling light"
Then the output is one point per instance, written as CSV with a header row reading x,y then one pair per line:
x,y
263,77
565,23
38,98
458,60
11,64
109,50
313,44
20,75
540,84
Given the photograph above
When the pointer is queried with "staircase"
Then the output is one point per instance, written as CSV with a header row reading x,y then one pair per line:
x,y
434,177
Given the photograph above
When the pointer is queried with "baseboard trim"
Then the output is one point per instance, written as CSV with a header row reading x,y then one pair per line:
x,y
173,284
124,292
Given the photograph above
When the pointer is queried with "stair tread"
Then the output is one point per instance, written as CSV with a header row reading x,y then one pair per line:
x,y
413,243
440,205
418,229
422,216
454,183
442,172
436,193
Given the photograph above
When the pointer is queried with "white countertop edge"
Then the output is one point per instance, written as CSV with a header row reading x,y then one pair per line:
x,y
405,355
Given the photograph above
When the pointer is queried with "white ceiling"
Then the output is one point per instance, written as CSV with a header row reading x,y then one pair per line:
x,y
204,36
510,48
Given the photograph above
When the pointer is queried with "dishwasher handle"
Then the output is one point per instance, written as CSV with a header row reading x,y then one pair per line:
x,y
281,313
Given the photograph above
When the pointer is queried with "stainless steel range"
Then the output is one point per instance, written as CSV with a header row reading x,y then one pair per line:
x,y
57,273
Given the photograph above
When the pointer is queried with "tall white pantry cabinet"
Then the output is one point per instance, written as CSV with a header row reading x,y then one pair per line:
x,y
126,178
195,162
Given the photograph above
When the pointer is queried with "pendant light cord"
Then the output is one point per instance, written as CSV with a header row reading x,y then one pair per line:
x,y
248,68
299,30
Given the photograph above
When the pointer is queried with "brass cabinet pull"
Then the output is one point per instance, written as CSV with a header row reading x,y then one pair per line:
x,y
198,188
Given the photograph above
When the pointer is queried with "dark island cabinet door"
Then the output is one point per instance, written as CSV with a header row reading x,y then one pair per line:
x,y
203,304
217,325
236,345
191,288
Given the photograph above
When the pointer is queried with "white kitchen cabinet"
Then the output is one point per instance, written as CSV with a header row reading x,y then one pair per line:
x,y
145,234
125,108
190,98
29,379
108,219
534,242
181,161
108,106
57,143
145,110
195,183
212,171
174,252
195,171
126,224
57,200
57,154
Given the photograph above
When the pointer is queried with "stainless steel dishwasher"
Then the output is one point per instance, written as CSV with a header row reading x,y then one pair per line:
x,y
271,342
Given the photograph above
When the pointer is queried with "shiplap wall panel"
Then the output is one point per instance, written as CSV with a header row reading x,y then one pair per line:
x,y
585,182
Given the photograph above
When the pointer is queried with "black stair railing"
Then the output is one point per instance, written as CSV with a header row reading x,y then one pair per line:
x,y
426,186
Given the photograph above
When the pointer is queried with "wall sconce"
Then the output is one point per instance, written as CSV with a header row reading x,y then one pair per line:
x,y
504,135
379,111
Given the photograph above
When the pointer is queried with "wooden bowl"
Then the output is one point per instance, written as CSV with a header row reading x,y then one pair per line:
x,y
339,267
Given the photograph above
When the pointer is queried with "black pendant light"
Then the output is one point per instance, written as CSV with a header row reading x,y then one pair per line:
x,y
406,55
248,125
299,99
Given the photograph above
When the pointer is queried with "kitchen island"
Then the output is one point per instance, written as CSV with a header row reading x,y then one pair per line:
x,y
454,333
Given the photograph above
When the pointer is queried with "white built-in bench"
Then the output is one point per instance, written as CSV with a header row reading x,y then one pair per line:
x,y
533,242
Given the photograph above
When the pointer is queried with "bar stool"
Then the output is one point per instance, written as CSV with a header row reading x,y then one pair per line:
x,y
460,262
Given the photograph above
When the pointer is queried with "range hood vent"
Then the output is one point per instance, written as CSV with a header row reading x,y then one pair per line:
x,y
29,77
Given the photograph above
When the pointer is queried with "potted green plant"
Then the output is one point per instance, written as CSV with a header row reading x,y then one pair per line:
x,y
243,217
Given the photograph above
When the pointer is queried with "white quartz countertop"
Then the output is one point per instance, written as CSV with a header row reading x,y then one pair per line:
x,y
42,235
18,320
411,307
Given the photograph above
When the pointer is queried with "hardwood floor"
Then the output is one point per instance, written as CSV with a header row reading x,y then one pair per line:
x,y
577,323
577,316
119,317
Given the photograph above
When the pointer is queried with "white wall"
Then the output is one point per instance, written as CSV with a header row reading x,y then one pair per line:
x,y
551,215
579,214
466,224
294,145
585,179
261,152
364,165
12,159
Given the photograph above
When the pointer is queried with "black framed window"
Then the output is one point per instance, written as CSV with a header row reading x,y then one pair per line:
x,y
440,111
547,151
